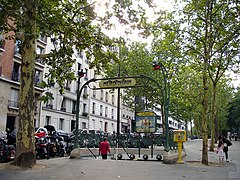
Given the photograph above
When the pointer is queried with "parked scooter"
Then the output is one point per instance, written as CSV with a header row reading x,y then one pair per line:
x,y
7,152
60,146
41,148
51,146
69,145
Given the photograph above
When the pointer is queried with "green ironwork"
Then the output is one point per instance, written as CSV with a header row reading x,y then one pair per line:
x,y
122,140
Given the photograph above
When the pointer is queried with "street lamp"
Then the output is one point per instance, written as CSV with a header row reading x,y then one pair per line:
x,y
80,75
166,100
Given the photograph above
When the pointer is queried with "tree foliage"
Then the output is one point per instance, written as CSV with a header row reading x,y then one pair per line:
x,y
233,120
69,26
211,40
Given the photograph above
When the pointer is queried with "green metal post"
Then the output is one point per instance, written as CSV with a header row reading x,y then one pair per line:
x,y
166,100
80,74
76,144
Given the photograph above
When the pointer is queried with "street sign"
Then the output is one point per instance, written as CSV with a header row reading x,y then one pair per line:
x,y
117,83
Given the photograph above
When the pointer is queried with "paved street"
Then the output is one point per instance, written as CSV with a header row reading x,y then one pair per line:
x,y
91,169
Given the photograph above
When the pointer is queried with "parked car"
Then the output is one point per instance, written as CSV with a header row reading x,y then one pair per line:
x,y
62,133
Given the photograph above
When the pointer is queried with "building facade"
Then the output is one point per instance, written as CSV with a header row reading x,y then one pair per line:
x,y
98,107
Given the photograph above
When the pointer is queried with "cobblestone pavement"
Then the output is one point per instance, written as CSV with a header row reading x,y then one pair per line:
x,y
91,169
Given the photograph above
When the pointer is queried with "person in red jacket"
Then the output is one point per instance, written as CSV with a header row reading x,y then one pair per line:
x,y
104,148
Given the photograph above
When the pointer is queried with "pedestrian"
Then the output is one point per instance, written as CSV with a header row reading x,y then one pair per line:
x,y
220,151
226,143
104,148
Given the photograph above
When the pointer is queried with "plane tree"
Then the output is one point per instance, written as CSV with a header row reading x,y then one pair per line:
x,y
68,24
211,39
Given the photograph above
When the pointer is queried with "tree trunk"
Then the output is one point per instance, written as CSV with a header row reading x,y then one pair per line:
x,y
25,146
204,117
213,115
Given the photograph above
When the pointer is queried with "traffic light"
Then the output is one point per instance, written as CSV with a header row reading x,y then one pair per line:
x,y
156,66
81,73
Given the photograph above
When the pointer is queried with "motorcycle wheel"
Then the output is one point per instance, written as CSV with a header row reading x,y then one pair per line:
x,y
3,158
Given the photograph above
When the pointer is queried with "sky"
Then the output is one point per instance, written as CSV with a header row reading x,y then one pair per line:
x,y
119,30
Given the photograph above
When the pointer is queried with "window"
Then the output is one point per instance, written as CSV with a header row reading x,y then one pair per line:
x,y
1,42
101,95
84,125
94,93
93,107
79,66
123,111
61,123
37,77
101,125
84,107
112,113
16,72
86,74
63,105
85,90
80,54
106,111
67,86
48,120
106,97
14,98
40,50
106,127
94,74
17,47
74,103
112,99
101,110
113,127
93,124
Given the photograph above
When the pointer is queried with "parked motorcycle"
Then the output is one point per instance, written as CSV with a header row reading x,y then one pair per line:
x,y
69,145
60,146
7,152
41,148
52,147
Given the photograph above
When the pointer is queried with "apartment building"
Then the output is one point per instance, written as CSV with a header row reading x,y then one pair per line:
x,y
10,63
98,108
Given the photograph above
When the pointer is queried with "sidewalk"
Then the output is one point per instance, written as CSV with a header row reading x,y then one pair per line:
x,y
194,152
93,169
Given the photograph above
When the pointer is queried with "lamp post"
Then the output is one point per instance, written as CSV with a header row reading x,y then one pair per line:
x,y
166,100
80,75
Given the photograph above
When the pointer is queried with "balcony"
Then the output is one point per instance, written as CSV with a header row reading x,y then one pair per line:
x,y
43,39
37,81
67,88
49,106
63,109
85,114
13,104
40,61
